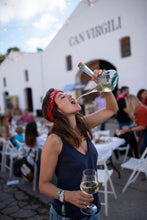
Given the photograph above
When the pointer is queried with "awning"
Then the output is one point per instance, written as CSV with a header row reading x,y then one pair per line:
x,y
73,87
79,87
68,87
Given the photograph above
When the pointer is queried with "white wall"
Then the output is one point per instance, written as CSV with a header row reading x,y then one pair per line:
x,y
48,69
132,70
14,72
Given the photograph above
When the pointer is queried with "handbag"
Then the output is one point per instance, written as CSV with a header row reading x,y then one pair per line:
x,y
27,171
22,167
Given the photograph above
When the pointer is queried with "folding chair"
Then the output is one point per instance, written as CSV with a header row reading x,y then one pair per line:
x,y
21,151
9,152
104,175
126,149
35,178
2,152
137,165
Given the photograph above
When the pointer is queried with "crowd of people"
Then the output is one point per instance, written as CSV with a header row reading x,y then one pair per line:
x,y
68,149
131,118
135,120
25,130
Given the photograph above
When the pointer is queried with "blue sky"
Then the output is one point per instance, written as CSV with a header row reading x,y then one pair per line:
x,y
32,24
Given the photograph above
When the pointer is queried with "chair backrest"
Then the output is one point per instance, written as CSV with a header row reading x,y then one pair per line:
x,y
144,153
9,148
21,151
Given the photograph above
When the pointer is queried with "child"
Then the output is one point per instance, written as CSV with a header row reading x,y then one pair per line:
x,y
19,137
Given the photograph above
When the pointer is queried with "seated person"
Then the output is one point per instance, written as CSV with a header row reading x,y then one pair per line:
x,y
138,112
19,137
4,127
35,142
26,118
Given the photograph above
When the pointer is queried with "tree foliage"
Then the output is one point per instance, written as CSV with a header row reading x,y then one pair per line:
x,y
2,57
12,48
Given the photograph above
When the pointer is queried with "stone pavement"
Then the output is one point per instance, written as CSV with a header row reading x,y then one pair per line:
x,y
19,202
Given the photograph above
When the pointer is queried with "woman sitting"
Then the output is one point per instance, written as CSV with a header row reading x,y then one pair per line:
x,y
138,112
35,142
4,127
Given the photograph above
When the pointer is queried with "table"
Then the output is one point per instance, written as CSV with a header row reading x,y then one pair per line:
x,y
106,149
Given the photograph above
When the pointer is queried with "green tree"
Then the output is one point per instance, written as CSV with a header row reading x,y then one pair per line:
x,y
12,48
39,50
2,57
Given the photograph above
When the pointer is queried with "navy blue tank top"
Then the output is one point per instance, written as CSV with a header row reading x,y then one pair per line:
x,y
69,169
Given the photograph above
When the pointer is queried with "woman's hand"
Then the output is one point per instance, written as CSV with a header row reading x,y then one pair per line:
x,y
95,75
78,198
125,129
120,132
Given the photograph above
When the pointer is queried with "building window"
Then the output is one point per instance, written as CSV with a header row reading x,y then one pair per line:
x,y
69,62
4,82
125,47
26,75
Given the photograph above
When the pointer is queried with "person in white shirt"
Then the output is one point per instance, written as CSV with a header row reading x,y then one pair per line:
x,y
100,103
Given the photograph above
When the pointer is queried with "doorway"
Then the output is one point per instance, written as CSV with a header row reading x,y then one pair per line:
x,y
29,101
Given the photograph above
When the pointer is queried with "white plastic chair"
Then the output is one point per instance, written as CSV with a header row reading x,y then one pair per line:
x,y
22,149
9,151
126,149
37,154
2,150
137,165
104,176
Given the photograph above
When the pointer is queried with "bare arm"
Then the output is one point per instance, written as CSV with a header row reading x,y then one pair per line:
x,y
49,159
127,129
125,110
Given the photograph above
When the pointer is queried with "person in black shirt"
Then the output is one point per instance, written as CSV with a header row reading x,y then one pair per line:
x,y
123,119
122,116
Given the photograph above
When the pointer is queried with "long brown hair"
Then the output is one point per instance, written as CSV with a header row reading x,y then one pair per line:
x,y
4,123
30,134
61,125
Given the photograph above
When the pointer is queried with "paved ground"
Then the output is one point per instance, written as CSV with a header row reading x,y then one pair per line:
x,y
19,202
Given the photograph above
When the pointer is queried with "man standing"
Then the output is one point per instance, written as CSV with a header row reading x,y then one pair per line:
x,y
122,115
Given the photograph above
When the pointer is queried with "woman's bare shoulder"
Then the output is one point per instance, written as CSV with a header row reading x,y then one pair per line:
x,y
53,143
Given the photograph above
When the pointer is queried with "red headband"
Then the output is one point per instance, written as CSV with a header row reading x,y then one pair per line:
x,y
50,108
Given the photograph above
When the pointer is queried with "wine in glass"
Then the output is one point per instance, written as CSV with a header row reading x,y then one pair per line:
x,y
89,184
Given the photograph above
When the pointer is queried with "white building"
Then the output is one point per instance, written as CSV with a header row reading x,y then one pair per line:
x,y
100,33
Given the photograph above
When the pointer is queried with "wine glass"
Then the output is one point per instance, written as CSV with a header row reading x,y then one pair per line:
x,y
90,185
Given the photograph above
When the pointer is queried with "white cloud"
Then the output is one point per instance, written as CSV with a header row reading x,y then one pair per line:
x,y
26,9
45,22
42,42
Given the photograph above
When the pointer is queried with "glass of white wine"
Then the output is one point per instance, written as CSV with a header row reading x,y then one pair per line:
x,y
90,185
